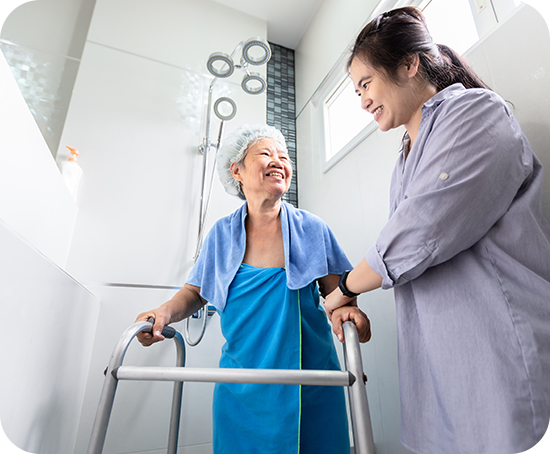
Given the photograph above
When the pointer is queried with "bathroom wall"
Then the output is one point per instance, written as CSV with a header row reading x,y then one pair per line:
x,y
352,197
526,83
48,318
136,116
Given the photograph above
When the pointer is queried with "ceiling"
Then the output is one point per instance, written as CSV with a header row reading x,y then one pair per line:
x,y
287,20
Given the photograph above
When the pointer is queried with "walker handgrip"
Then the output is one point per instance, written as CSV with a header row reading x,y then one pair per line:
x,y
168,332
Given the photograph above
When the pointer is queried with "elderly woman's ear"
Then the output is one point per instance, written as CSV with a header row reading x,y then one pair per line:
x,y
235,169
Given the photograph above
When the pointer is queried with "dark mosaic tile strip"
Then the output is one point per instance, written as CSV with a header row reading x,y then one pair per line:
x,y
281,105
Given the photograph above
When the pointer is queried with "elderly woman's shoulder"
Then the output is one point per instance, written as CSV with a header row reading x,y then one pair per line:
x,y
304,215
232,218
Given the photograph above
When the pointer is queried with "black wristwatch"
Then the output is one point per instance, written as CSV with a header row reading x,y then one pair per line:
x,y
342,285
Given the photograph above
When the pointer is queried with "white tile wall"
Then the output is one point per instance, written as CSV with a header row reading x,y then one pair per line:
x,y
526,83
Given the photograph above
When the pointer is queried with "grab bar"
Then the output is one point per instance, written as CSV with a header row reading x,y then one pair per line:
x,y
353,378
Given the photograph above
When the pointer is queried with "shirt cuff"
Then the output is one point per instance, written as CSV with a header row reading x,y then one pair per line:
x,y
375,261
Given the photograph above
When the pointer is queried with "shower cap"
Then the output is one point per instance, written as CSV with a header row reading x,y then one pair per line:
x,y
234,149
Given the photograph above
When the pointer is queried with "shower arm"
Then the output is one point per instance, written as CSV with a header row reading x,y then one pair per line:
x,y
206,140
205,211
204,150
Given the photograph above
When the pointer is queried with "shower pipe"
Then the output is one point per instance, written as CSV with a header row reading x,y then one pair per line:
x,y
203,312
353,378
225,70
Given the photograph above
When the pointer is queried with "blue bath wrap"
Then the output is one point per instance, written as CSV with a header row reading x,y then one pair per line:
x,y
311,252
268,326
271,319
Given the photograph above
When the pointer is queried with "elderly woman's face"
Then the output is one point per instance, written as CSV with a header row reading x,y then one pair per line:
x,y
266,170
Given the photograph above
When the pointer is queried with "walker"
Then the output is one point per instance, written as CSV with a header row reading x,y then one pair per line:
x,y
353,378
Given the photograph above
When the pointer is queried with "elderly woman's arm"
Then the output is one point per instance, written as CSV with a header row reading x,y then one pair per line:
x,y
350,312
183,304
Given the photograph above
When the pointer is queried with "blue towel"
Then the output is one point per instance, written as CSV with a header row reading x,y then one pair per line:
x,y
311,252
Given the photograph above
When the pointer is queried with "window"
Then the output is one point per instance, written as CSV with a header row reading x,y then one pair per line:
x,y
457,29
344,118
341,124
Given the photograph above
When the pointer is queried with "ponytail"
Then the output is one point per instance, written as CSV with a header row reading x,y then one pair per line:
x,y
455,70
393,38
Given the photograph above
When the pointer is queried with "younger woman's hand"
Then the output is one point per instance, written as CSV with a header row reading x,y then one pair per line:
x,y
334,300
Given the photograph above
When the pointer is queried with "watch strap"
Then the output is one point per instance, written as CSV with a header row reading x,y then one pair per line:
x,y
342,285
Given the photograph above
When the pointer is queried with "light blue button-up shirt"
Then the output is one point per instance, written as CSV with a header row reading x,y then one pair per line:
x,y
467,250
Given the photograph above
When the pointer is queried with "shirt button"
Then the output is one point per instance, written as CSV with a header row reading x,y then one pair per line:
x,y
443,176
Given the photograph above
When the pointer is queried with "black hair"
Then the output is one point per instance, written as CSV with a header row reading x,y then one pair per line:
x,y
395,37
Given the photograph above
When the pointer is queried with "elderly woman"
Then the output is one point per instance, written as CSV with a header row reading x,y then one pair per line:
x,y
260,267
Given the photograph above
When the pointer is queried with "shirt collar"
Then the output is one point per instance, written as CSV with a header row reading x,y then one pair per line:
x,y
430,105
438,98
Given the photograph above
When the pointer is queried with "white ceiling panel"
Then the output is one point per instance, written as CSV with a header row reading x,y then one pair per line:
x,y
287,20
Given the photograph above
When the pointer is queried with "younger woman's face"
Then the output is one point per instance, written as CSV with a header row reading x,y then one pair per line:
x,y
392,104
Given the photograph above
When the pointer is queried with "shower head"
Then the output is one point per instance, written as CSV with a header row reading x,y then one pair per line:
x,y
220,65
220,102
250,84
251,47
255,51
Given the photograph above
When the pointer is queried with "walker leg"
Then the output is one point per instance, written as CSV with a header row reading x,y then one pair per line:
x,y
177,398
359,404
106,400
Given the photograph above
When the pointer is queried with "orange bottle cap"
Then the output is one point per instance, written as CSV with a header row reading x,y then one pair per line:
x,y
74,151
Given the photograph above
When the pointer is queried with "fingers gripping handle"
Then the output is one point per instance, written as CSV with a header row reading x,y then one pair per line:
x,y
168,332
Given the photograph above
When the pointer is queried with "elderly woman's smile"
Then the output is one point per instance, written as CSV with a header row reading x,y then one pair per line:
x,y
276,174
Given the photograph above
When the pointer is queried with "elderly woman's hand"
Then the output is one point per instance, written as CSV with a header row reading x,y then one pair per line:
x,y
354,314
162,318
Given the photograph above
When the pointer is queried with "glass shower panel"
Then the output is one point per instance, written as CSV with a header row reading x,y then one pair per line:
x,y
46,82
43,43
